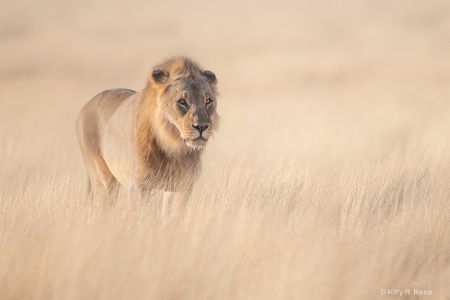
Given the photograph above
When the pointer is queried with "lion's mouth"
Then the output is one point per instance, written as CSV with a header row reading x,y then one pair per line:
x,y
200,138
197,143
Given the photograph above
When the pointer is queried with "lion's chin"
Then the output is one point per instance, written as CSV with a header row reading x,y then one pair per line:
x,y
196,144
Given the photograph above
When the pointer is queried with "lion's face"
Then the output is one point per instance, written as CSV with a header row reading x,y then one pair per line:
x,y
189,106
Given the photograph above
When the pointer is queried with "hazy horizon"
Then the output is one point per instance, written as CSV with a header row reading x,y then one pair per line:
x,y
329,177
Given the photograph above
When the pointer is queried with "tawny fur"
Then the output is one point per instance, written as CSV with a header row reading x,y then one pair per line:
x,y
152,139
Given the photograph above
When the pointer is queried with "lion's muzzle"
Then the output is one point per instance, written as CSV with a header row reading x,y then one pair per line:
x,y
200,128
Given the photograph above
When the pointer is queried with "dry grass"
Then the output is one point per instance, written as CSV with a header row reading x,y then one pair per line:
x,y
329,177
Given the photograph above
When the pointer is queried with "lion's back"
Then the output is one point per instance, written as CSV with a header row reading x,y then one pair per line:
x,y
96,113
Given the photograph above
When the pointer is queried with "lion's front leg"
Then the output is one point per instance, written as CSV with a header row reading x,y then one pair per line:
x,y
173,202
165,203
133,192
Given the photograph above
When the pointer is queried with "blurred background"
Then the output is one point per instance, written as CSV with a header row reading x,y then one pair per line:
x,y
293,74
328,177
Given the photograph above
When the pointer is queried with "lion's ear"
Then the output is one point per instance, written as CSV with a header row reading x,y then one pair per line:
x,y
159,76
210,76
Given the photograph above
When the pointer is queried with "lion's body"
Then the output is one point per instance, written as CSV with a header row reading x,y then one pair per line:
x,y
148,140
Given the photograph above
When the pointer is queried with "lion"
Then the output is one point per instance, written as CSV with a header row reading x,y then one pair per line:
x,y
152,139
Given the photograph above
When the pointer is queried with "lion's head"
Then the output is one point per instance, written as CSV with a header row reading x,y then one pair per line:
x,y
186,104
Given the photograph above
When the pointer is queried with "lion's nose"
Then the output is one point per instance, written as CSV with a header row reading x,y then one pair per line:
x,y
200,128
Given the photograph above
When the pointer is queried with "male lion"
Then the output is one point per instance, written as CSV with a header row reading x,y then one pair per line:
x,y
152,139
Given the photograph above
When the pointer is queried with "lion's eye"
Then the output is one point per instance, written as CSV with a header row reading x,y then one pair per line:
x,y
182,102
208,101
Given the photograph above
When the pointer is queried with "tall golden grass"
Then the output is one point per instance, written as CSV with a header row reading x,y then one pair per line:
x,y
328,179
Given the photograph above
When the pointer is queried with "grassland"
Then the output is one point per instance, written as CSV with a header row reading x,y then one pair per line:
x,y
328,179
